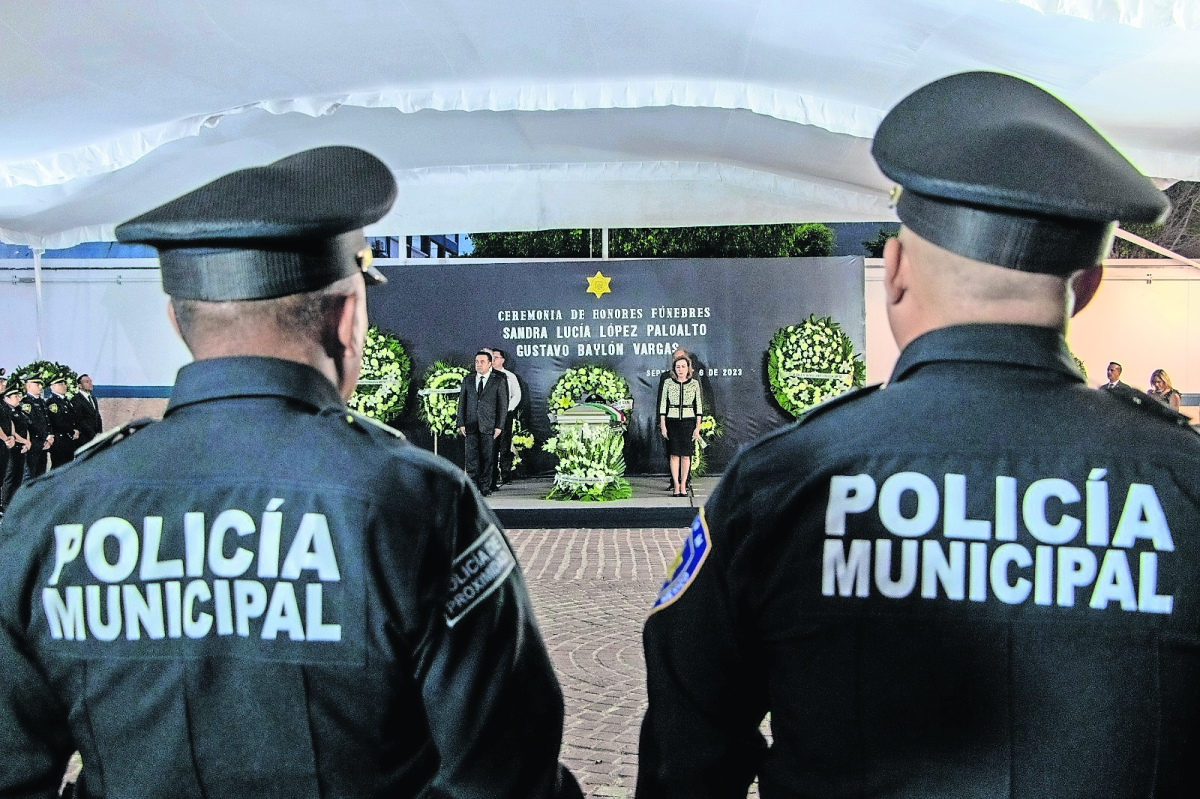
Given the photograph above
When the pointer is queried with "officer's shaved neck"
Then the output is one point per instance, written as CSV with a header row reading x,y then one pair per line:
x,y
928,287
324,329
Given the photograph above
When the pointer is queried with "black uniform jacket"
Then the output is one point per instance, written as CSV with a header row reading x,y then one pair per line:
x,y
64,422
981,580
39,418
264,595
62,416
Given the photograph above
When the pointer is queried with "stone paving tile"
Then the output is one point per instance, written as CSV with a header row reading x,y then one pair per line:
x,y
591,590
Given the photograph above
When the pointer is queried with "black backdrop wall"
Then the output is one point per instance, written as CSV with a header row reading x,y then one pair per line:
x,y
723,311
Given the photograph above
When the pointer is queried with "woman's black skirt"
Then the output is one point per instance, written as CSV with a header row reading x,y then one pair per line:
x,y
679,436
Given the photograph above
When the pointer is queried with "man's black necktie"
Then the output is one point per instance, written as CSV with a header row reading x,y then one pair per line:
x,y
478,384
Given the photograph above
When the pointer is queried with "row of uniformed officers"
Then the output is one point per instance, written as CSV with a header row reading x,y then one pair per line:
x,y
40,432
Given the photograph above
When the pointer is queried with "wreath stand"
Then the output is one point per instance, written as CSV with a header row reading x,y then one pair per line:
x,y
425,392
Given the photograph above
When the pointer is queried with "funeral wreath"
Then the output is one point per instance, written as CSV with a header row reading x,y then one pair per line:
x,y
810,362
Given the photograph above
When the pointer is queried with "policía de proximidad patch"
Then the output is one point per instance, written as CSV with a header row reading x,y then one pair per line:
x,y
131,587
1065,540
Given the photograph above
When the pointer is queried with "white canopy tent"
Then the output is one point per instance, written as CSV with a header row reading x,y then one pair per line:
x,y
519,115
538,114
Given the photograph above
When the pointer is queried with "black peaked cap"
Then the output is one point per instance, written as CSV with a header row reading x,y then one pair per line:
x,y
998,170
285,228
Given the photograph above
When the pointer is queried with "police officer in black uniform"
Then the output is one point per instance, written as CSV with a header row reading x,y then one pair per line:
x,y
265,594
979,580
41,438
64,423
17,426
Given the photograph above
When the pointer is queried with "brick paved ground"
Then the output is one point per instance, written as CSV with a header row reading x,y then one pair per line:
x,y
591,590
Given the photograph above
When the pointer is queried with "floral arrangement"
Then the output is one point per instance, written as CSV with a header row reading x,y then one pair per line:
x,y
1079,365
591,460
810,362
46,370
591,463
383,384
439,411
710,428
581,382
522,440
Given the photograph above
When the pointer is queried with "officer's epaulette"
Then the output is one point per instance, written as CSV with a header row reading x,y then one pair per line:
x,y
836,402
1153,407
353,418
114,436
811,413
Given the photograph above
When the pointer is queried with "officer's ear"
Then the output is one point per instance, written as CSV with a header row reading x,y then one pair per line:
x,y
895,281
1084,285
348,323
174,321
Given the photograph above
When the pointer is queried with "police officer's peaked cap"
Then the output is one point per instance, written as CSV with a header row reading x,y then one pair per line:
x,y
13,392
35,379
286,228
997,170
58,379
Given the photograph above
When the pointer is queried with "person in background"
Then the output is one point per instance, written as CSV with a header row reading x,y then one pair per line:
x,y
87,412
17,427
1161,390
482,407
40,435
266,594
61,412
662,384
967,593
504,460
679,411
1114,378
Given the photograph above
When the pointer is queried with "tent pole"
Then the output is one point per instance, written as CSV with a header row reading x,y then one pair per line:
x,y
604,244
37,294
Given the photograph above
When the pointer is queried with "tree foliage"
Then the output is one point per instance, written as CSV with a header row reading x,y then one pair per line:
x,y
875,246
534,244
733,241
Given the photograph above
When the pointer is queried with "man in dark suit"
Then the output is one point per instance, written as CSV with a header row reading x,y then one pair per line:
x,y
482,408
1114,378
87,412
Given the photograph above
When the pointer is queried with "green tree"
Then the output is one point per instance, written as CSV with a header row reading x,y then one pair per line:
x,y
534,244
733,241
875,246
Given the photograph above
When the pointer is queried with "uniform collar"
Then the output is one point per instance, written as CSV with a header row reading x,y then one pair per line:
x,y
1014,345
252,376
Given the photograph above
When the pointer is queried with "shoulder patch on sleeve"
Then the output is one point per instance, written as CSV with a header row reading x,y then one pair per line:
x,y
686,565
477,572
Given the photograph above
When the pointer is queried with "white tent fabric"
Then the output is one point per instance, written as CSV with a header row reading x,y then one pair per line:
x,y
537,114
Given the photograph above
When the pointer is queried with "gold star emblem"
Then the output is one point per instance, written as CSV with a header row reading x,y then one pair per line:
x,y
598,284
